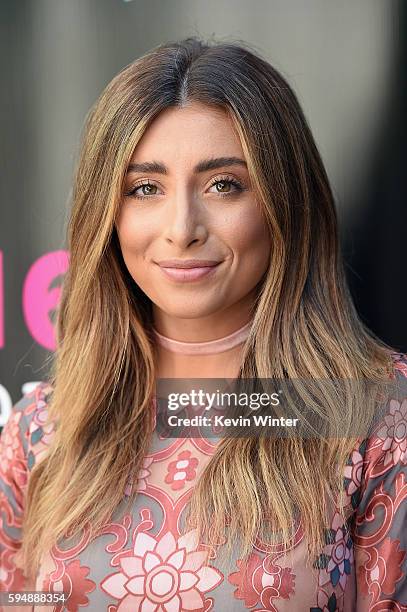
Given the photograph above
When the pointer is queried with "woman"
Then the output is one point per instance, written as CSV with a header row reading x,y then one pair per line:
x,y
199,155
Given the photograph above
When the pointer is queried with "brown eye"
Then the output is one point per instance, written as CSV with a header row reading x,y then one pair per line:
x,y
147,190
227,186
223,184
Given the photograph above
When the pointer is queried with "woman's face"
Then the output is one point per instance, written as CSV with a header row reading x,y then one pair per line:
x,y
183,208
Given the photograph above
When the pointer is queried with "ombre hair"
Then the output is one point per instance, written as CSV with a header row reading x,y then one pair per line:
x,y
304,326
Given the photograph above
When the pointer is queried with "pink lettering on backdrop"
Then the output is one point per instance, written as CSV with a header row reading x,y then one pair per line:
x,y
39,299
1,302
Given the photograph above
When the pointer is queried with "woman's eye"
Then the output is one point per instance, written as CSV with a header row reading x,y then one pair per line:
x,y
224,187
227,186
147,189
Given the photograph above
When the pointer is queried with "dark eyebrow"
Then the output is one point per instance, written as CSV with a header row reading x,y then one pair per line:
x,y
202,166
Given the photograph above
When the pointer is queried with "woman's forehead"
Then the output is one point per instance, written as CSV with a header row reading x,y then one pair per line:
x,y
194,133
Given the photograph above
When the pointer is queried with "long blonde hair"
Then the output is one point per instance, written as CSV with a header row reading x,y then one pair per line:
x,y
304,326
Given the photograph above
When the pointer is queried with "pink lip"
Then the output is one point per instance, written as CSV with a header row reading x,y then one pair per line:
x,y
188,274
187,263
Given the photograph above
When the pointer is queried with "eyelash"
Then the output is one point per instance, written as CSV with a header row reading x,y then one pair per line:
x,y
229,179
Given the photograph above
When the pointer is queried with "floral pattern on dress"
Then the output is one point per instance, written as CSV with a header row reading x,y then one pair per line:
x,y
166,574
181,470
394,433
335,563
260,581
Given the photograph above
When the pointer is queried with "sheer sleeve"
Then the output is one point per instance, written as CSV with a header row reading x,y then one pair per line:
x,y
380,529
13,482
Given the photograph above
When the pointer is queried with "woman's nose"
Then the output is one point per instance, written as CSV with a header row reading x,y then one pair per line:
x,y
183,220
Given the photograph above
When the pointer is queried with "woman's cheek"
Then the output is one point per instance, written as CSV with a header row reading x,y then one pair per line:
x,y
250,233
134,232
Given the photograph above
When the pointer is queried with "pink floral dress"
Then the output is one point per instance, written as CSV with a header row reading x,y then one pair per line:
x,y
142,560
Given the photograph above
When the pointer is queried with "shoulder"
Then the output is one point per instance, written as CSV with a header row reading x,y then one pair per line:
x,y
400,363
389,434
26,429
378,458
385,450
40,431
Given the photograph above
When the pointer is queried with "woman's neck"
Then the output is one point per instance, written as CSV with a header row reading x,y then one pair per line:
x,y
216,358
208,347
